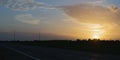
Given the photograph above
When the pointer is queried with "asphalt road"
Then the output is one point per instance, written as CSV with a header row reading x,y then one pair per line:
x,y
25,52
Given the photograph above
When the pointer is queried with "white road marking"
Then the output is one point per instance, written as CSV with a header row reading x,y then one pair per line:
x,y
22,53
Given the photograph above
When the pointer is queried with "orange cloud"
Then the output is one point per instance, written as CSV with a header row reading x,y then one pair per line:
x,y
90,13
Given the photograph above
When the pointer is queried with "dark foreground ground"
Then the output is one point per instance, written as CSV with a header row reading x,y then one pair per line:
x,y
13,51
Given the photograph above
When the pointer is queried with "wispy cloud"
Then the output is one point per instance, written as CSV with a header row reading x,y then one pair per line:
x,y
94,17
28,19
91,13
22,4
114,8
97,2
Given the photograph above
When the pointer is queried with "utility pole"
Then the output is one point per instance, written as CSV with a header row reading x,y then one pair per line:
x,y
39,36
14,35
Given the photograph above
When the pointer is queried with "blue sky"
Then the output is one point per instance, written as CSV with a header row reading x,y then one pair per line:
x,y
61,17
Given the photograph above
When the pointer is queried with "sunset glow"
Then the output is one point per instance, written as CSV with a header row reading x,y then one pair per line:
x,y
66,19
96,37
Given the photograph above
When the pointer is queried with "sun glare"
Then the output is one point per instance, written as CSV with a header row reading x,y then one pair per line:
x,y
97,32
96,36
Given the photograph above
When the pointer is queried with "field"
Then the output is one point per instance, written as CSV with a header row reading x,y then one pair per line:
x,y
99,46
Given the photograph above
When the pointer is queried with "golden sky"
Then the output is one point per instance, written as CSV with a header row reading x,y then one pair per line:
x,y
72,18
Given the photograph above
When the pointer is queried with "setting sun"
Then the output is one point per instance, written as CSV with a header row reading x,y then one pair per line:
x,y
96,36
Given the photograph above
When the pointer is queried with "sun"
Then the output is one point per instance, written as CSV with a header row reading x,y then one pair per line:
x,y
96,36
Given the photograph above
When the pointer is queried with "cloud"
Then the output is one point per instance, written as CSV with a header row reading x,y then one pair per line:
x,y
22,4
114,8
100,0
28,18
97,2
91,13
106,18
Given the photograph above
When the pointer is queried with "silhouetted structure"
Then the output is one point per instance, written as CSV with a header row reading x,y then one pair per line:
x,y
14,35
39,36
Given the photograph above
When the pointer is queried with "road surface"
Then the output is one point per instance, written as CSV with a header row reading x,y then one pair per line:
x,y
26,52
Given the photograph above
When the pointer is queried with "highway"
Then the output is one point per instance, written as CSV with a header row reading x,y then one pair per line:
x,y
26,52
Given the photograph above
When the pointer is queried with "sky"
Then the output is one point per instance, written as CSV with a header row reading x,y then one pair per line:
x,y
59,19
